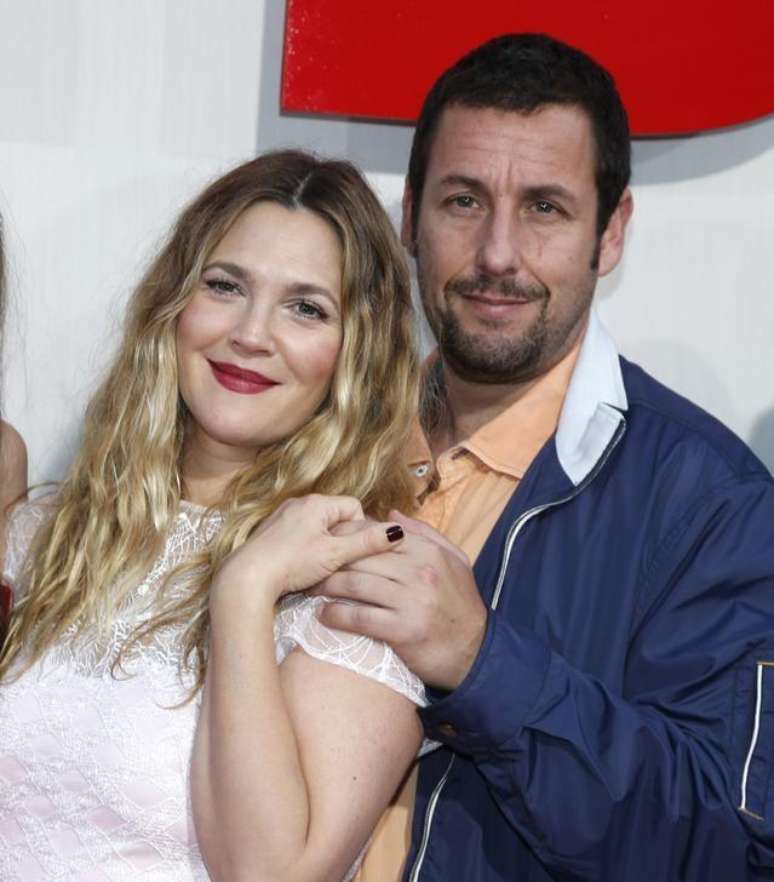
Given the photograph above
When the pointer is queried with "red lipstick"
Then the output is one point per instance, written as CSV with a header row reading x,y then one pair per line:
x,y
237,379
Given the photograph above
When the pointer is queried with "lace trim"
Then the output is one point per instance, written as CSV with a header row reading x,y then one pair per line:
x,y
296,624
93,652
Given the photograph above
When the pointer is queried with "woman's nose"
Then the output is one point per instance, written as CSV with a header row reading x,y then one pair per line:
x,y
252,332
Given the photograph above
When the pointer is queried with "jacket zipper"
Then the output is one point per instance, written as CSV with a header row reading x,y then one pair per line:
x,y
513,532
428,821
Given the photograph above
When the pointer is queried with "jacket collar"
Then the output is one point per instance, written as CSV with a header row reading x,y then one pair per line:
x,y
594,406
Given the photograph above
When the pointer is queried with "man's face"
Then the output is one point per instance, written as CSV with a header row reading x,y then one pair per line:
x,y
506,242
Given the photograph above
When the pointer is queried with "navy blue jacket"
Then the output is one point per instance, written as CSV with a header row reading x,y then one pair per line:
x,y
618,723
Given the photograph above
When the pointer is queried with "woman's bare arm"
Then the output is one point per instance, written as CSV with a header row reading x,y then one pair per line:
x,y
292,766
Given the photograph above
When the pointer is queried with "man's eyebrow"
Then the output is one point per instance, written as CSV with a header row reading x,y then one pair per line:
x,y
536,192
458,180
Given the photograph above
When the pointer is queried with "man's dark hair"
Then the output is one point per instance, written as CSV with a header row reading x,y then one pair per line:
x,y
523,72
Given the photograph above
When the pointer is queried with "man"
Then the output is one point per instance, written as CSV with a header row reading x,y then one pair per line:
x,y
602,681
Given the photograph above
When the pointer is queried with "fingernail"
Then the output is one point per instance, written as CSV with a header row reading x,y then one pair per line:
x,y
394,533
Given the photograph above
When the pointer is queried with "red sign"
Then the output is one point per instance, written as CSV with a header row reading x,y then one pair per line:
x,y
681,66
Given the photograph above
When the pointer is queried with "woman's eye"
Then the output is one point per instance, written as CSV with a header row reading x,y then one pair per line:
x,y
310,310
222,287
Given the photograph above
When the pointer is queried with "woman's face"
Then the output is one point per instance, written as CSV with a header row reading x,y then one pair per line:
x,y
258,342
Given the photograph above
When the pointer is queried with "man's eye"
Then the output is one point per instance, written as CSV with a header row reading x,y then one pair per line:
x,y
463,202
544,207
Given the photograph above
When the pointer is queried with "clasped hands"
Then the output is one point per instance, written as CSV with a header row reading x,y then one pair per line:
x,y
414,591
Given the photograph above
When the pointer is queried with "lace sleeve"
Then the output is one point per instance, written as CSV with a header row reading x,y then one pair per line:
x,y
296,624
22,525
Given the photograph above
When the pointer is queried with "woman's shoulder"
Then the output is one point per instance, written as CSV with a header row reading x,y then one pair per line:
x,y
13,462
9,436
296,625
35,510
13,474
23,522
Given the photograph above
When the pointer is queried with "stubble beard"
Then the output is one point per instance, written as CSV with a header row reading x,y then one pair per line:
x,y
490,357
486,357
500,357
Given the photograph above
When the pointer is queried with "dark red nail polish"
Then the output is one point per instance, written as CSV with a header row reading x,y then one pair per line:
x,y
394,533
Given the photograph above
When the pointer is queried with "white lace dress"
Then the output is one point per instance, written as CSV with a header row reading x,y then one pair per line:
x,y
94,771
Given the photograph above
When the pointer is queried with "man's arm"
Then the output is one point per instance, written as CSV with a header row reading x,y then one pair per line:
x,y
646,784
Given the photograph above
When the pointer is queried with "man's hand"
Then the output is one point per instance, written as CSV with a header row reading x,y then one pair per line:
x,y
420,598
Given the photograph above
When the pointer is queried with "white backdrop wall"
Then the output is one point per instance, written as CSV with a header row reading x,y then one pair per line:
x,y
114,113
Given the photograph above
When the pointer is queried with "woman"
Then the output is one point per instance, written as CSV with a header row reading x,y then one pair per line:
x,y
13,453
268,355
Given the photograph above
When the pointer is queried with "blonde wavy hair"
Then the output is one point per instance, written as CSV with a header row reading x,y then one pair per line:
x,y
117,504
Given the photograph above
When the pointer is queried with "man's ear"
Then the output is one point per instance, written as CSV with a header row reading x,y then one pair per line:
x,y
406,225
611,244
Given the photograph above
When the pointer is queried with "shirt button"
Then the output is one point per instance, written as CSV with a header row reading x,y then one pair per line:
x,y
421,470
447,730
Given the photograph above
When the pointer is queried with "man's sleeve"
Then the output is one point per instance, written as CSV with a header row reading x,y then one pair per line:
x,y
672,779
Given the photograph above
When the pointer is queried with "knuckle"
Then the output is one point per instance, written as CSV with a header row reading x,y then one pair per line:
x,y
350,585
437,555
374,538
341,583
414,632
404,632
329,614
360,617
428,575
330,584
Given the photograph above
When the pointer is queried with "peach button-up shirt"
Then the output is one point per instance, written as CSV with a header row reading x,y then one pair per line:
x,y
462,495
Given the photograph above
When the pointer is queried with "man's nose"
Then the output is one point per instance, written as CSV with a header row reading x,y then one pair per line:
x,y
499,249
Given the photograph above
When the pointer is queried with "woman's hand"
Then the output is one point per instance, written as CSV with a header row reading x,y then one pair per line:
x,y
303,542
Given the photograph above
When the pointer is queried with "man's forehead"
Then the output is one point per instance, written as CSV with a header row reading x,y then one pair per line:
x,y
553,138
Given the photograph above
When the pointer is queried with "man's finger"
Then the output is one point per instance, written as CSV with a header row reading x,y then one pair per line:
x,y
419,528
370,621
389,565
365,589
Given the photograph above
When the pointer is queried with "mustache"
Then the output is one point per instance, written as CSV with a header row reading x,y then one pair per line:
x,y
503,287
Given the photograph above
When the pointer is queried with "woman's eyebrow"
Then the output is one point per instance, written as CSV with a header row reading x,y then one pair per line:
x,y
233,269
